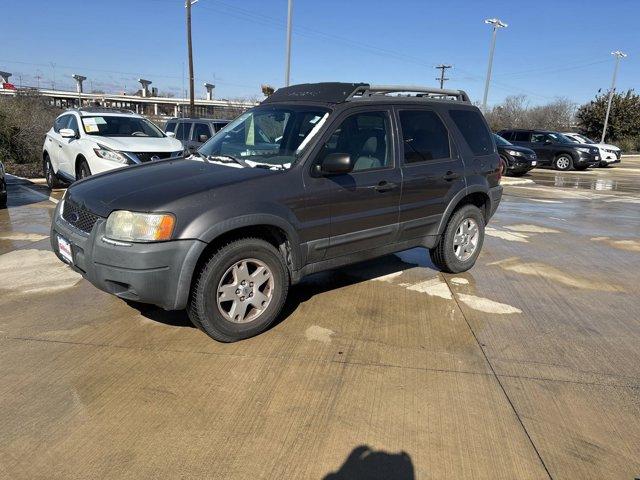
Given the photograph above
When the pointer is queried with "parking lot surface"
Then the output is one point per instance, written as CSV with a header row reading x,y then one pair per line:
x,y
527,366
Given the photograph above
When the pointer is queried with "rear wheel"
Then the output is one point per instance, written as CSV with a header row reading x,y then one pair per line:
x,y
239,291
49,174
504,166
3,194
461,242
83,170
563,162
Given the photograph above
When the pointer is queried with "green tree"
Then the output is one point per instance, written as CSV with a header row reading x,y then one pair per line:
x,y
624,119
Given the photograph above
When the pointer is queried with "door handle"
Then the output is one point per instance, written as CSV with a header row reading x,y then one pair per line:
x,y
384,186
450,175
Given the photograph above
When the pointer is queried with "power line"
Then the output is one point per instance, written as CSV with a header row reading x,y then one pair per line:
x,y
442,78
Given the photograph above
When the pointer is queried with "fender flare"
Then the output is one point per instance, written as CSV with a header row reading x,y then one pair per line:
x,y
455,201
256,219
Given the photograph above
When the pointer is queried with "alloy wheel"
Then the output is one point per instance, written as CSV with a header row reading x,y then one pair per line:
x,y
465,241
245,291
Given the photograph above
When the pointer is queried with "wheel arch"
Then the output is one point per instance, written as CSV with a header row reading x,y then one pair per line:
x,y
473,195
76,163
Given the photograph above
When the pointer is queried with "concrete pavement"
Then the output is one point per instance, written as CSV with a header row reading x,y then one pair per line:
x,y
527,366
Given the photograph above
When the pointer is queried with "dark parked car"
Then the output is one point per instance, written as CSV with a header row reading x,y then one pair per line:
x,y
356,174
193,132
514,160
553,148
3,187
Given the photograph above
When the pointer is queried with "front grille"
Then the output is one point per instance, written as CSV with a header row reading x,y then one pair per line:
x,y
79,217
148,156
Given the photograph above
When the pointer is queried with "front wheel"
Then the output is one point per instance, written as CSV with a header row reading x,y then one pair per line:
x,y
563,162
49,174
461,242
83,170
239,291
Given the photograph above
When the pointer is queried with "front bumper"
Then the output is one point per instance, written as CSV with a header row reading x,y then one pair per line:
x,y
157,273
587,159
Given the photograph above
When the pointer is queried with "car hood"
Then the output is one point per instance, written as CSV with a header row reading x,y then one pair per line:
x,y
157,186
606,145
139,144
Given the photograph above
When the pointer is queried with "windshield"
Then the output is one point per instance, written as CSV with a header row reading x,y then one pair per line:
x,y
501,141
267,136
114,126
558,137
585,139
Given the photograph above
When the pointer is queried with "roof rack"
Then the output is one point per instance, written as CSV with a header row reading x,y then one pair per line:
x,y
421,92
336,92
102,110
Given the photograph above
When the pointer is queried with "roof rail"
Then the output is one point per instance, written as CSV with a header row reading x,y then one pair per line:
x,y
101,110
430,92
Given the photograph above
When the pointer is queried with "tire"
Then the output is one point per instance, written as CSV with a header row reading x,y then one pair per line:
x,y
444,255
504,166
563,162
218,319
83,170
3,195
49,174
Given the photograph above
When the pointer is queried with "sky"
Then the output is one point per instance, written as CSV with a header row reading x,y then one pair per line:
x,y
551,48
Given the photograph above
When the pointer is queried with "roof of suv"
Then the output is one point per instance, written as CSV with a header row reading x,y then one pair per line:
x,y
90,111
336,92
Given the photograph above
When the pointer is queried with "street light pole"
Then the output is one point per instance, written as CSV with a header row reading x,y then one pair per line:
x,y
188,4
496,23
288,60
618,54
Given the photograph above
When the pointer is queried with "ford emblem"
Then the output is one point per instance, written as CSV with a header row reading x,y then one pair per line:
x,y
73,217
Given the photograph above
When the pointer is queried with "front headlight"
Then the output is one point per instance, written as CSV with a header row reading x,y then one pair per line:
x,y
139,227
514,153
108,154
583,150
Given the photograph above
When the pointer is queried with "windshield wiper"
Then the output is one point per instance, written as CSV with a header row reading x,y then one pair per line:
x,y
226,159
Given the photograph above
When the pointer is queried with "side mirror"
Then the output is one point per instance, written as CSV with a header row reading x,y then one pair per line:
x,y
336,163
203,138
170,134
68,133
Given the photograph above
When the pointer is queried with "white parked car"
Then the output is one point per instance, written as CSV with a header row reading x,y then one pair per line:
x,y
94,140
609,154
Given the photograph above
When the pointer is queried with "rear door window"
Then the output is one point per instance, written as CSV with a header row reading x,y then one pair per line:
x,y
474,130
424,136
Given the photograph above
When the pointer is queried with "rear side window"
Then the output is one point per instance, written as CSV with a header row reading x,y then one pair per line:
x,y
521,136
60,123
170,127
474,131
182,132
424,136
200,129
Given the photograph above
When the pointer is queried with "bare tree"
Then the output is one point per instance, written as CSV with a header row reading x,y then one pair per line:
x,y
515,112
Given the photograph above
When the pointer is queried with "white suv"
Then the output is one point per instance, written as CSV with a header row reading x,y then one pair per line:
x,y
94,140
608,153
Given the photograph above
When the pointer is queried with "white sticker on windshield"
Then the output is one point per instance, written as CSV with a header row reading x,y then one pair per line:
x,y
315,119
100,120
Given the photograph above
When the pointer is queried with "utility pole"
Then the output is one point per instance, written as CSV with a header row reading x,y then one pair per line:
x,y
496,24
442,78
618,54
288,61
188,4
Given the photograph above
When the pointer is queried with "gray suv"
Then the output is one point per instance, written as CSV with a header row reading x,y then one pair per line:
x,y
193,132
316,177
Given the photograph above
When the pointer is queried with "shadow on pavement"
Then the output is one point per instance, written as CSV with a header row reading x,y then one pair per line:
x,y
174,318
364,463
